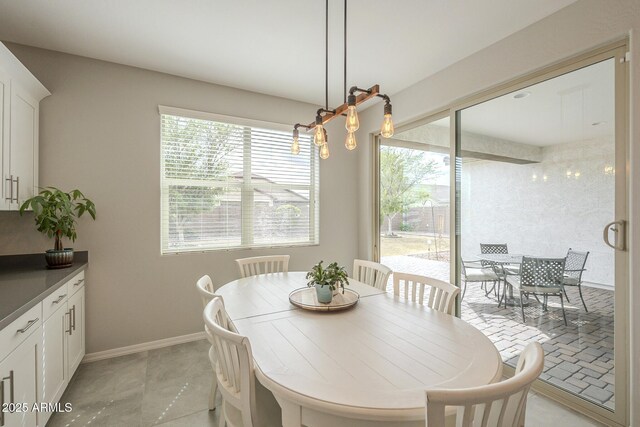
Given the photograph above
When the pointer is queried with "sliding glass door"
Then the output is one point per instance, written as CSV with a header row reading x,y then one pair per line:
x,y
519,196
540,174
414,200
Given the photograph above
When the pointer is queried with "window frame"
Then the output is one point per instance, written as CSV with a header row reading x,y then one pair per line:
x,y
246,187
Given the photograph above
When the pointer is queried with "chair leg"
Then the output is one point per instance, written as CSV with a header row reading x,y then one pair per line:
x,y
565,294
464,291
212,395
580,291
545,306
522,309
496,289
564,316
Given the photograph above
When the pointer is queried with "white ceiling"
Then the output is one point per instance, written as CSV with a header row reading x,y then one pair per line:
x,y
556,111
274,47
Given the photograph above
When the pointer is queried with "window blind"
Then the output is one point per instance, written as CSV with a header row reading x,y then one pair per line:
x,y
233,185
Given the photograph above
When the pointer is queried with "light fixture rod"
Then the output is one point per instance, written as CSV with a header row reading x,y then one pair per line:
x,y
326,55
345,52
364,96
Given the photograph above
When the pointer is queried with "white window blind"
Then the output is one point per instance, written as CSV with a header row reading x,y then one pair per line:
x,y
231,183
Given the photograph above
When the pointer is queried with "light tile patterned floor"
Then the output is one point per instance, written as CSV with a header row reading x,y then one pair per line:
x,y
579,356
170,387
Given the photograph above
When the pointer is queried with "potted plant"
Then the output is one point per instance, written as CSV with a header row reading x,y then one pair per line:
x,y
55,215
327,280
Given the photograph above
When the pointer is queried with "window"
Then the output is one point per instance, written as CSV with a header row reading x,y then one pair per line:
x,y
233,183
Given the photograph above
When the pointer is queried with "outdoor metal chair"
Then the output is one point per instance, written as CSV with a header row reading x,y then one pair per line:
x,y
474,273
574,267
540,277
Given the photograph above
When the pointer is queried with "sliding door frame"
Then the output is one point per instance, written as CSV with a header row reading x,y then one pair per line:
x,y
616,50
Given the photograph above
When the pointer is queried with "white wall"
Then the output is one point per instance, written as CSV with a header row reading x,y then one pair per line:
x,y
100,132
577,28
543,211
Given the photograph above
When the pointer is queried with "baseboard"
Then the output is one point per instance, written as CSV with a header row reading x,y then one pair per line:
x,y
137,348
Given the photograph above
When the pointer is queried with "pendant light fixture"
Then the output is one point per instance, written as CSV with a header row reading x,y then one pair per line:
x,y
356,96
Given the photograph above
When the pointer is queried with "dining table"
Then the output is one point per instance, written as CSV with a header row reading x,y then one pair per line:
x,y
366,366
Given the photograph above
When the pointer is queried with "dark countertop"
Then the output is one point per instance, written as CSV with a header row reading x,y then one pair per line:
x,y
25,281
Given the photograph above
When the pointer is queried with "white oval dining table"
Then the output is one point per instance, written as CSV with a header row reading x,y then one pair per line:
x,y
365,366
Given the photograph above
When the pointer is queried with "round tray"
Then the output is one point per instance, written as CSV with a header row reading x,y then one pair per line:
x,y
306,298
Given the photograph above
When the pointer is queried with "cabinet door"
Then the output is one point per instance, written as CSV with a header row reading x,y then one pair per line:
x,y
76,337
5,100
54,357
24,145
18,373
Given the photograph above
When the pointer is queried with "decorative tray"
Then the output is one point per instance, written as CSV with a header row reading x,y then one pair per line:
x,y
307,299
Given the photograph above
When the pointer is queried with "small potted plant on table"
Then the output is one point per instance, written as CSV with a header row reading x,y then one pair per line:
x,y
55,215
327,280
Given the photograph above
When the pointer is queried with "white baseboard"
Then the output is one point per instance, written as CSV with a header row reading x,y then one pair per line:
x,y
137,348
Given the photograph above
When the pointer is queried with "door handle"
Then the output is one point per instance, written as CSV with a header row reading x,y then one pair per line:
x,y
73,317
620,230
10,198
17,181
29,325
69,331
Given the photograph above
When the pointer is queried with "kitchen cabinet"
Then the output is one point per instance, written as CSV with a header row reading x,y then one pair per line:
x,y
20,93
19,382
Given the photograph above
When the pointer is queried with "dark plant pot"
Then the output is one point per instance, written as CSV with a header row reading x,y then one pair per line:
x,y
59,259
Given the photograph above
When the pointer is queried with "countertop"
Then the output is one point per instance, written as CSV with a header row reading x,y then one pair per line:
x,y
25,281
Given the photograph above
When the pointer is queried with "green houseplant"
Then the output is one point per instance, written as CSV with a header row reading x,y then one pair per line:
x,y
55,215
326,280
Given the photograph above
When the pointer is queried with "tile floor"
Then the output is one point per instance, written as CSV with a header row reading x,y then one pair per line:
x,y
170,387
579,357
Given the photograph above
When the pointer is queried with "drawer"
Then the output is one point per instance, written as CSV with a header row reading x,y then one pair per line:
x,y
18,330
54,301
75,284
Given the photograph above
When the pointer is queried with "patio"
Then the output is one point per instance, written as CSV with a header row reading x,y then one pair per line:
x,y
579,357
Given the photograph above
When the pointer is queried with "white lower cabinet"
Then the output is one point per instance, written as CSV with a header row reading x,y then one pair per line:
x,y
76,333
19,389
37,368
55,373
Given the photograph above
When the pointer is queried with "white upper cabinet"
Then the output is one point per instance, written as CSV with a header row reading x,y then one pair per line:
x,y
21,94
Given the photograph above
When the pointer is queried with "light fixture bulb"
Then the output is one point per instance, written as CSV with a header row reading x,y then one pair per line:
x,y
324,151
352,124
350,142
387,127
318,136
295,145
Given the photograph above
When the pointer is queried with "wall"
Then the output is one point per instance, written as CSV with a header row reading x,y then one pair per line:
x,y
100,132
543,211
575,29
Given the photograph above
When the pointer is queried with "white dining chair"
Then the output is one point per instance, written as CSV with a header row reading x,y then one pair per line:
x,y
442,295
501,404
263,264
372,273
204,285
231,355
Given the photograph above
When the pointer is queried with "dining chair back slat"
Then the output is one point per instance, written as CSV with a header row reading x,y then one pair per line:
x,y
372,273
442,295
495,405
575,263
233,361
542,272
262,265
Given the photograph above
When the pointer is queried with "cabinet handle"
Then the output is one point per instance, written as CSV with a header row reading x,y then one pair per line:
x,y
1,403
29,325
65,315
78,282
73,311
10,378
10,198
17,188
60,298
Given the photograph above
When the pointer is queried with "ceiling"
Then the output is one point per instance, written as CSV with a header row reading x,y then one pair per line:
x,y
573,107
274,47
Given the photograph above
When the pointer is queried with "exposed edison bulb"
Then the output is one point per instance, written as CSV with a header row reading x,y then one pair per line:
x,y
324,151
352,124
387,127
350,142
318,136
295,147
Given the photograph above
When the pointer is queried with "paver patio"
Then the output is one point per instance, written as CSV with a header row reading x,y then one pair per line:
x,y
578,357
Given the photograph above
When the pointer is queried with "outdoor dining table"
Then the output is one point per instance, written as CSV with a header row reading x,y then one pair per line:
x,y
502,260
365,366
